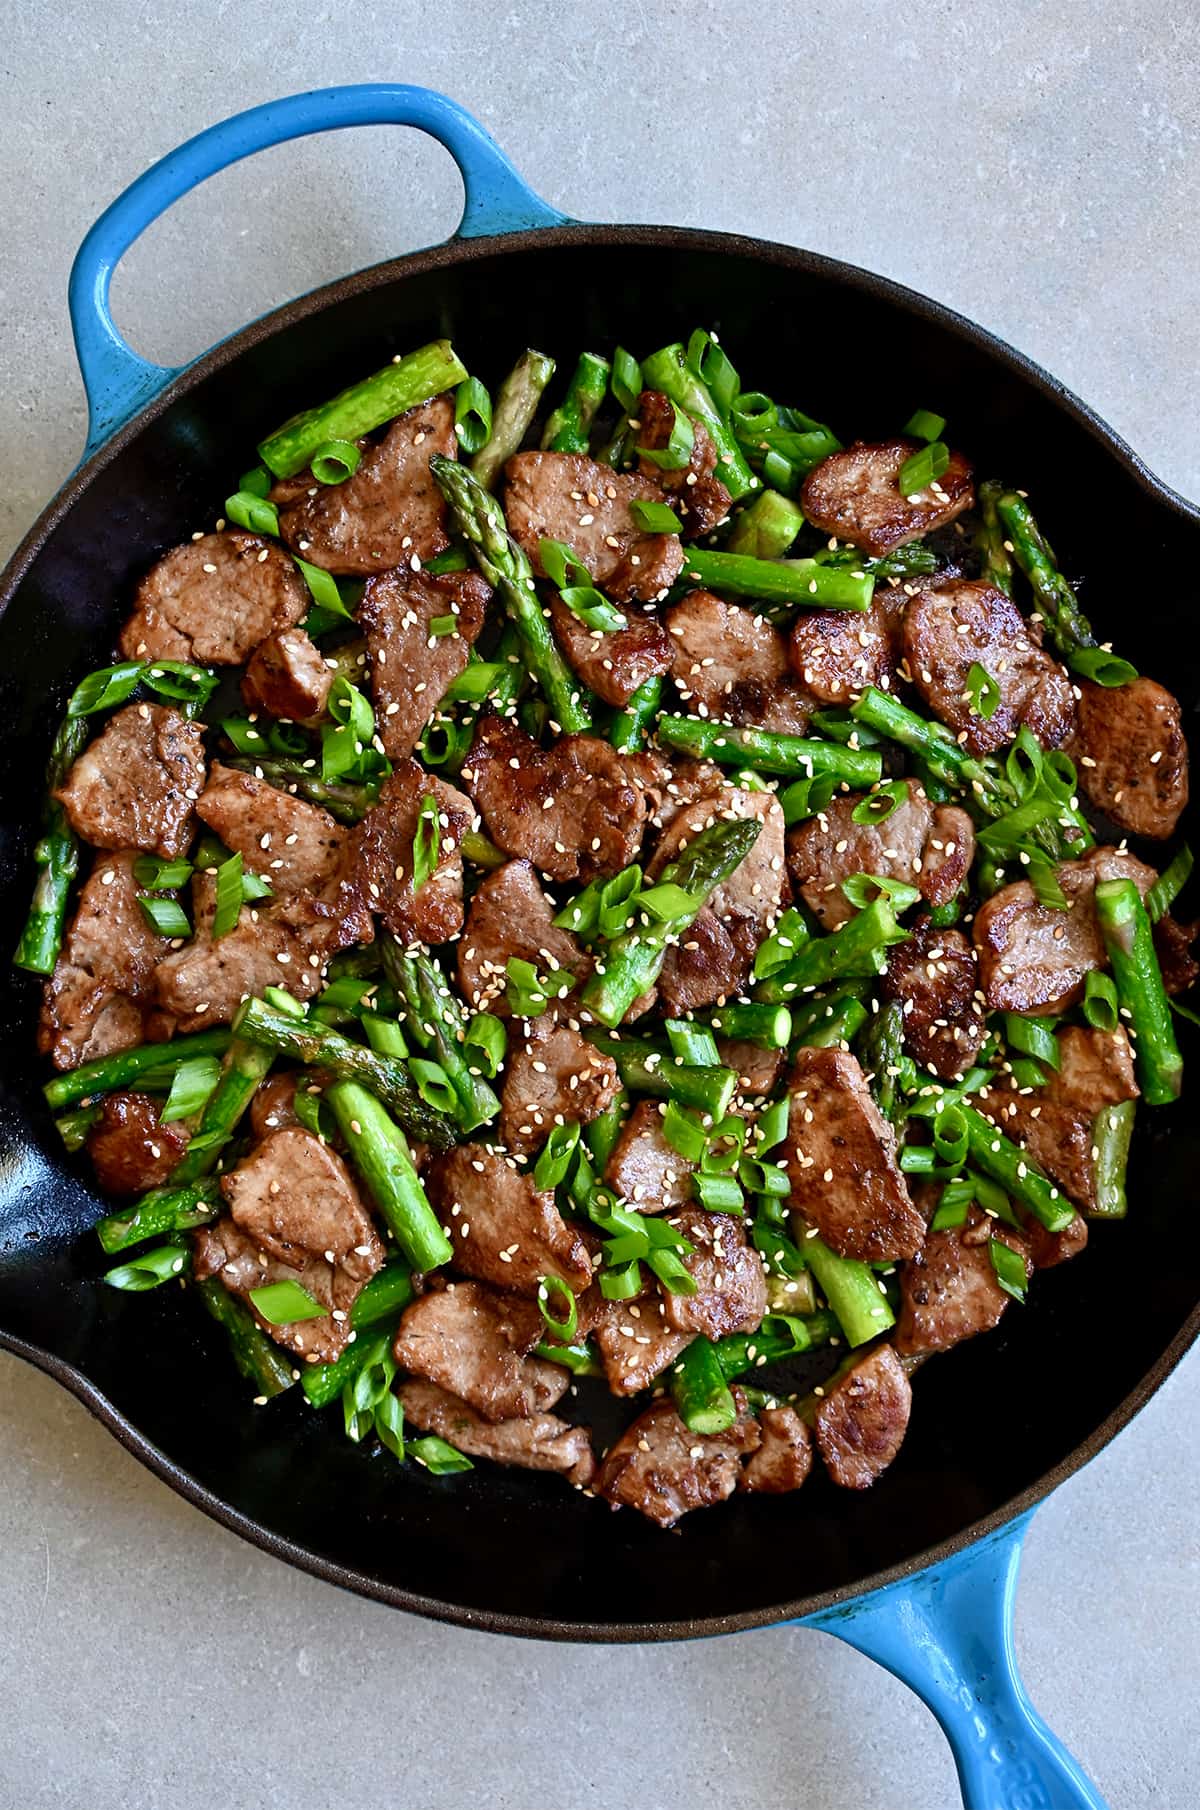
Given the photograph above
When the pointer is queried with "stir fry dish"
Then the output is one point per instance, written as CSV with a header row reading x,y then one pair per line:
x,y
633,900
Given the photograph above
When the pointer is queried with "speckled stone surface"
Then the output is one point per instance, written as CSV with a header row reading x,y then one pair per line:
x,y
1036,166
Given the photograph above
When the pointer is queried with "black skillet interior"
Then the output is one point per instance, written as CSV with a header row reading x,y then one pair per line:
x,y
1003,1416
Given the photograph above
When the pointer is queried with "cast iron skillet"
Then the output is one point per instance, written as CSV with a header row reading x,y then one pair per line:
x,y
999,1423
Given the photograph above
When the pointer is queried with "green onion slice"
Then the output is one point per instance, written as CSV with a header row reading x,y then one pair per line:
x,y
229,897
708,360
1009,1268
334,461
879,804
566,1328
923,424
286,1303
472,415
675,454
626,381
433,1084
982,691
655,518
254,513
166,916
862,890
256,482
438,1456
485,1043
103,689
150,1269
556,1156
1100,1005
157,875
191,1085
1102,667
921,468
323,589
528,994
1169,885
684,1133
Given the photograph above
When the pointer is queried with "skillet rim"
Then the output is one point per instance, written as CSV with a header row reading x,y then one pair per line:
x,y
465,251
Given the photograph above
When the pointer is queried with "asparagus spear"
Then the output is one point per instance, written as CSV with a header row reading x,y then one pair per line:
x,y
851,1289
838,1027
568,427
997,561
1065,622
882,1051
668,371
378,1148
645,1069
127,1067
516,405
1129,940
1112,1129
630,724
56,857
769,1026
434,1019
170,1209
366,405
348,803
770,750
633,961
480,519
245,1067
73,1127
811,582
1011,1166
767,527
258,1358
858,948
702,1397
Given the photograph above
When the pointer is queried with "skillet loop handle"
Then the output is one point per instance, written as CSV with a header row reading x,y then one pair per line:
x,y
948,1634
118,382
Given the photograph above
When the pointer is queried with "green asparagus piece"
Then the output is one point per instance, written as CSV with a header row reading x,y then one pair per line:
x,y
767,527
770,1027
702,1397
1129,940
997,560
1065,623
568,427
645,1069
128,1067
318,1046
73,1127
1112,1129
348,660
517,403
810,582
669,372
840,1026
631,723
348,803
769,750
781,1335
245,1067
1011,1166
852,1290
881,1052
480,520
170,1209
56,857
633,961
434,1019
385,1297
364,406
258,1358
379,1150
858,948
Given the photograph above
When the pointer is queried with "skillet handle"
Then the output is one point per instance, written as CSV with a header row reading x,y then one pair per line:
x,y
117,381
948,1634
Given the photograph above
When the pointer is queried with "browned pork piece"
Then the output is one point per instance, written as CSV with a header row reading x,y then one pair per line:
x,y
613,662
287,677
273,1106
383,855
949,1291
698,496
135,786
131,1149
668,785
1131,755
411,667
504,1229
510,916
1034,958
571,810
843,1164
388,513
935,976
784,1459
838,653
538,1442
568,497
861,1422
661,1469
213,600
854,494
929,846
643,1168
553,1077
970,623
472,1340
294,845
731,665
632,1337
757,1069
101,995
731,1291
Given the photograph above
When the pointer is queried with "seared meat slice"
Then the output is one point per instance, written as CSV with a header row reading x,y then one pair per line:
x,y
949,1290
634,1341
854,494
731,665
504,1229
102,988
567,497
668,785
731,1290
570,810
553,1077
410,667
213,600
136,784
842,1161
389,512
643,1168
273,1108
471,1340
539,1442
205,982
1054,1123
704,967
613,662
1044,1248
382,847
757,1069
838,653
929,846
661,1469
1131,755
1173,946
698,496
129,1147
286,677
956,626
293,845
861,1422
935,975
784,1459
1033,958
511,916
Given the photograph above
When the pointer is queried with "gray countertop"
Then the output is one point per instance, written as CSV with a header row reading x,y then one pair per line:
x,y
1036,166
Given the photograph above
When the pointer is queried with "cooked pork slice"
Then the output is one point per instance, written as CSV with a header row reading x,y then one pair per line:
x,y
273,1105
842,1161
471,1340
698,496
838,653
291,844
613,662
1131,755
634,1341
553,1077
287,677
1046,1249
538,1442
861,1422
504,1229
731,1291
1173,945
205,982
213,600
949,1289
568,497
969,623
663,1470
135,786
784,1459
131,1149
510,916
643,1168
731,665
410,666
935,976
668,785
1055,1123
382,846
102,990
929,846
388,512
855,495
1034,958
757,1069
571,810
